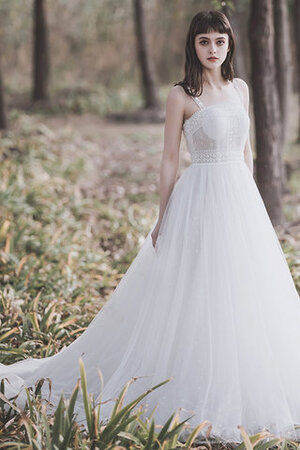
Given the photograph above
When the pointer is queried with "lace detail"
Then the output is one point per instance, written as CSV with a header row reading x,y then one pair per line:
x,y
217,132
208,156
192,121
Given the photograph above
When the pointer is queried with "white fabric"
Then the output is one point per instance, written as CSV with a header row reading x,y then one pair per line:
x,y
213,306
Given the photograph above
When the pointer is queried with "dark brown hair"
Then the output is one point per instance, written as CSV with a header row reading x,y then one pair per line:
x,y
205,22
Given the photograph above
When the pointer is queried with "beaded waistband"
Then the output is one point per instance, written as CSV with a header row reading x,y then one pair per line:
x,y
213,156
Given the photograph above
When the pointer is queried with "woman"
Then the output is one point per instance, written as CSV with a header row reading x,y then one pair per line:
x,y
209,299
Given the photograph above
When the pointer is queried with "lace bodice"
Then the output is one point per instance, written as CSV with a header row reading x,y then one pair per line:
x,y
217,132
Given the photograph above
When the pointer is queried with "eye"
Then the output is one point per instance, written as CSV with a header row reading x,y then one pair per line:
x,y
221,42
203,42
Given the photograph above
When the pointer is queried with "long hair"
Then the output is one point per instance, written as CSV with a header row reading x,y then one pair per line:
x,y
205,22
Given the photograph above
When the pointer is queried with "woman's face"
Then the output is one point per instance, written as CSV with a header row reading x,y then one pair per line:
x,y
212,48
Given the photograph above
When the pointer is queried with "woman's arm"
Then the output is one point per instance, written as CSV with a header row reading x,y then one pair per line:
x,y
248,156
170,159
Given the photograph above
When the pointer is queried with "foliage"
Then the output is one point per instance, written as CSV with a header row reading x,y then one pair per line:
x,y
36,428
58,248
62,248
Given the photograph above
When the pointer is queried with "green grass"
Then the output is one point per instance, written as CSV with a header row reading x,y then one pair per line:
x,y
35,427
52,262
62,253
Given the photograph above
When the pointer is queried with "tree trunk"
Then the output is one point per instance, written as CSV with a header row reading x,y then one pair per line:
x,y
3,121
41,64
266,107
283,74
239,54
145,63
296,16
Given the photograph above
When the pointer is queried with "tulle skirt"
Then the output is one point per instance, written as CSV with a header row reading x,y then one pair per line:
x,y
213,307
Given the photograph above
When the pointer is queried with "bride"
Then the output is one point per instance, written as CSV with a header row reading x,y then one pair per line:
x,y
209,299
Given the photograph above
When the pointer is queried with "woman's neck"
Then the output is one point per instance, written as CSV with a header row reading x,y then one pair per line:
x,y
214,79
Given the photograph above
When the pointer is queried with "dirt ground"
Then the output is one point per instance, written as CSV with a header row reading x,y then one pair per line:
x,y
124,158
121,159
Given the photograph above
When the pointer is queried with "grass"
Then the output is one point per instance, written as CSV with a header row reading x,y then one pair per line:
x,y
81,98
33,427
57,247
63,250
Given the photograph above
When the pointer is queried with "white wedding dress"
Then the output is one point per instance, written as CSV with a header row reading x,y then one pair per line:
x,y
213,305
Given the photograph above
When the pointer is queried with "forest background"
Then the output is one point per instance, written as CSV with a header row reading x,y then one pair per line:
x,y
82,102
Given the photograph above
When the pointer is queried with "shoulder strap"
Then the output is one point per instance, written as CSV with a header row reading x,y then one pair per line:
x,y
198,102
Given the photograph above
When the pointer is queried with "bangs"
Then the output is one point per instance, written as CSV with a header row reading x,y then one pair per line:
x,y
210,23
205,22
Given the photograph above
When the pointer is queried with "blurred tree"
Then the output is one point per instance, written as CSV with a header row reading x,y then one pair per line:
x,y
3,121
283,63
41,64
147,73
237,19
229,8
266,107
296,18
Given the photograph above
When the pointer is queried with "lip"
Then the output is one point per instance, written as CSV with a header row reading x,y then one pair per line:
x,y
213,58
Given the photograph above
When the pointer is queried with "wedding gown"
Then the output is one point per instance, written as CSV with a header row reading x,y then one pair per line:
x,y
213,305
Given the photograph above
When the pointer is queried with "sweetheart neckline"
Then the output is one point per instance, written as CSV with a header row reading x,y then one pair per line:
x,y
203,108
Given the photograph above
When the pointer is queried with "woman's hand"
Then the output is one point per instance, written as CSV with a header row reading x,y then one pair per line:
x,y
154,233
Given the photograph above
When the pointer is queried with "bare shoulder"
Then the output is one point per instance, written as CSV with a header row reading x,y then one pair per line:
x,y
176,102
176,95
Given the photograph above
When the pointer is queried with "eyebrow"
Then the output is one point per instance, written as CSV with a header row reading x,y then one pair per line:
x,y
204,37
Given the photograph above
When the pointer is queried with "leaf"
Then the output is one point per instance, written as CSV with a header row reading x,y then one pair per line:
x,y
86,400
8,333
245,437
58,420
149,442
194,433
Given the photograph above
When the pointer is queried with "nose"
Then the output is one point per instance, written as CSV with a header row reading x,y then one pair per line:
x,y
212,48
